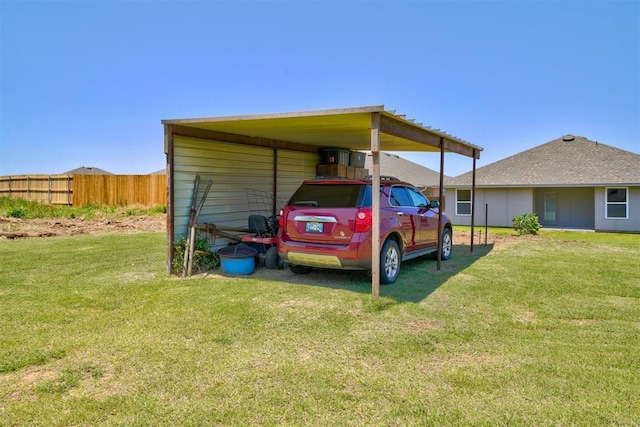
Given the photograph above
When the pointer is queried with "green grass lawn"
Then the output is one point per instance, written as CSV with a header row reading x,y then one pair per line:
x,y
543,331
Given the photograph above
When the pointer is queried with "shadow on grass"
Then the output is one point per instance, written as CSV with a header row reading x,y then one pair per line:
x,y
418,278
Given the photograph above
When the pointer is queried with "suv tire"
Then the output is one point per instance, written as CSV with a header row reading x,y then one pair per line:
x,y
447,245
271,259
300,269
389,262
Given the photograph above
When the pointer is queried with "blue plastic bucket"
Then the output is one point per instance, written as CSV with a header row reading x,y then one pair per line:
x,y
238,259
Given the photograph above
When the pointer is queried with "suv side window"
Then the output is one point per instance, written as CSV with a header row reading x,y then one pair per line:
x,y
418,198
399,197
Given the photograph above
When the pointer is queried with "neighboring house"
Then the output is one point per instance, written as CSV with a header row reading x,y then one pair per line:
x,y
425,179
570,182
405,170
87,170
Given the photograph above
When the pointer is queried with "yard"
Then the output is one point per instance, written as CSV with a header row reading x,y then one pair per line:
x,y
525,331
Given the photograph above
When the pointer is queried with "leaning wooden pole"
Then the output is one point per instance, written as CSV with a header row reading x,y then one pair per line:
x,y
192,235
190,228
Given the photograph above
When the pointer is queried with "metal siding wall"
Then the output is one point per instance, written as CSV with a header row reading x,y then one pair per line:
x,y
293,168
233,168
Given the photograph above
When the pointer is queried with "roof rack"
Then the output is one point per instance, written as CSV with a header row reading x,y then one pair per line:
x,y
382,178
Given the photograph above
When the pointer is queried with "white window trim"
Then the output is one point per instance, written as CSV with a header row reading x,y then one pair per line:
x,y
607,203
470,202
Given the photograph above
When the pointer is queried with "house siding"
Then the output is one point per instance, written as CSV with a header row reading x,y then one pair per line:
x,y
632,224
574,207
501,204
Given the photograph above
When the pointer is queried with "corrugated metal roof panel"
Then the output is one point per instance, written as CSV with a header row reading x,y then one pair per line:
x,y
349,128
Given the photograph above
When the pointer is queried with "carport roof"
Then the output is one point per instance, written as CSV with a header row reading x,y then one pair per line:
x,y
348,128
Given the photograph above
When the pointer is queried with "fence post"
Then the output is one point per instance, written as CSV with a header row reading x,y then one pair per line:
x,y
486,222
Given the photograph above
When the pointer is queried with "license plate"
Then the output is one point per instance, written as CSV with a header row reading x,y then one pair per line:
x,y
314,227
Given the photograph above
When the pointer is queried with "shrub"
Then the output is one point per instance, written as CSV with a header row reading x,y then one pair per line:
x,y
203,258
526,223
17,212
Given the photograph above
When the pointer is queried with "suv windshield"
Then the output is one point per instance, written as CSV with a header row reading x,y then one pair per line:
x,y
332,195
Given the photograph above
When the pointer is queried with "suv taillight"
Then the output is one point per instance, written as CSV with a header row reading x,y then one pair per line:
x,y
363,220
281,219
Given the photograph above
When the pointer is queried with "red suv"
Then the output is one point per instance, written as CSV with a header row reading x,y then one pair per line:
x,y
327,223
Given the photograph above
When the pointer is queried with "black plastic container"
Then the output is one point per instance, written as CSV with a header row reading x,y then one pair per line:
x,y
337,156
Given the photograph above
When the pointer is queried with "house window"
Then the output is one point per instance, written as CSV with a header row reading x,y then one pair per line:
x,y
463,202
617,203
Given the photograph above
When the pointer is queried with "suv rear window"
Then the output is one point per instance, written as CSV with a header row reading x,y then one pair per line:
x,y
332,195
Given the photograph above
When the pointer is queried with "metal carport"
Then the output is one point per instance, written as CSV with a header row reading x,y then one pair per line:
x,y
369,128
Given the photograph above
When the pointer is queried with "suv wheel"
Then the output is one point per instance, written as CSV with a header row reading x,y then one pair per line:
x,y
271,259
447,244
389,262
300,269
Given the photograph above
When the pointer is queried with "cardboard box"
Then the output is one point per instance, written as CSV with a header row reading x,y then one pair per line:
x,y
360,173
332,171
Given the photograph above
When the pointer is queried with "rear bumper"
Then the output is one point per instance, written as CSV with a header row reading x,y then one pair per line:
x,y
343,257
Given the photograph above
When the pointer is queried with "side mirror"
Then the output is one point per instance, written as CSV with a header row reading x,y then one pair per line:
x,y
433,204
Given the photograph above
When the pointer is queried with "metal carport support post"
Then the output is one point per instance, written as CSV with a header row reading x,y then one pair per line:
x,y
439,252
375,205
473,199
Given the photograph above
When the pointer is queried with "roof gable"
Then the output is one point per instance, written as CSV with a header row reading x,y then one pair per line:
x,y
566,161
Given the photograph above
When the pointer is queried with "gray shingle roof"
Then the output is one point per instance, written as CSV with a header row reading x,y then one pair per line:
x,y
566,161
88,170
405,170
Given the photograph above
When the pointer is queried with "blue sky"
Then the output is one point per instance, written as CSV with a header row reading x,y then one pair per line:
x,y
86,83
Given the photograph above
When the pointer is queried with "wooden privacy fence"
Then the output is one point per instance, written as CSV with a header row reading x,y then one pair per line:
x,y
78,190
55,189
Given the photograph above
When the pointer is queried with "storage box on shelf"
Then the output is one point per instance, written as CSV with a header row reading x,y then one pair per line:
x,y
360,173
356,159
332,156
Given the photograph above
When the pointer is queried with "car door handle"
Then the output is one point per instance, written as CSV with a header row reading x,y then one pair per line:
x,y
400,213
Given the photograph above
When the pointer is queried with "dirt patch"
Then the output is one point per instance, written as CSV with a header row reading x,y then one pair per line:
x,y
17,228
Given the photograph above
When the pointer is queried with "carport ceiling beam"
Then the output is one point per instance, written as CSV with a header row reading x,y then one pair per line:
x,y
399,129
214,135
